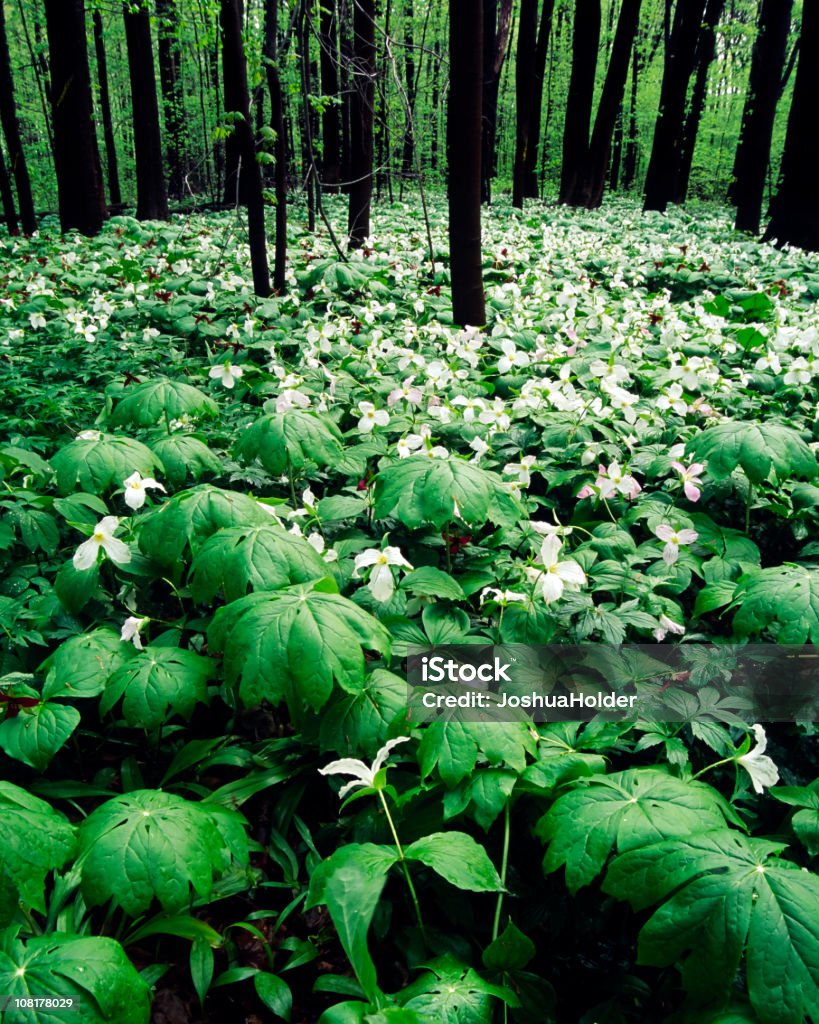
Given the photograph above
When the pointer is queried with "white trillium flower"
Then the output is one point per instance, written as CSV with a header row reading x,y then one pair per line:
x,y
757,764
371,417
556,575
674,540
363,775
381,583
136,488
88,435
103,537
667,626
130,630
226,373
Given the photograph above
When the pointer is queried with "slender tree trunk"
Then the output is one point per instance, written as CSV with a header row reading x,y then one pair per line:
x,y
361,122
497,25
152,197
632,151
345,42
172,97
524,90
530,188
407,154
236,183
436,101
76,156
105,107
754,150
271,54
679,63
230,17
616,152
464,157
795,209
585,42
706,50
11,130
611,98
41,72
7,198
330,128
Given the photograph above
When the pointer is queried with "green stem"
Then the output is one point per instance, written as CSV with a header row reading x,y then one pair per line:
x,y
403,860
504,865
33,926
716,764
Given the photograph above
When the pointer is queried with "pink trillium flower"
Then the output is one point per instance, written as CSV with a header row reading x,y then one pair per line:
x,y
674,540
691,479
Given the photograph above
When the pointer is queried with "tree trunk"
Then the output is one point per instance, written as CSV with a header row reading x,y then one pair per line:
x,y
230,20
541,52
754,150
361,122
152,197
330,128
464,157
497,23
795,210
271,54
11,130
407,150
524,89
706,50
7,198
581,95
679,63
76,156
173,106
611,98
105,107
632,147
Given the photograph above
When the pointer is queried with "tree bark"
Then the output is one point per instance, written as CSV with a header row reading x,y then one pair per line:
x,y
361,122
524,89
754,150
170,85
7,198
76,156
679,63
271,55
464,157
497,23
11,131
328,64
152,197
795,209
230,19
532,146
631,152
585,42
105,107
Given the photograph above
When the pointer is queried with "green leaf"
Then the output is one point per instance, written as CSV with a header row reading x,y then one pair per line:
x,y
357,723
36,734
38,530
340,506
242,558
275,993
34,839
93,971
293,644
157,681
290,440
81,665
620,812
349,882
451,993
559,759
99,465
761,449
453,746
75,587
783,599
728,896
190,517
805,823
161,399
185,458
201,965
510,951
421,491
458,859
431,582
148,845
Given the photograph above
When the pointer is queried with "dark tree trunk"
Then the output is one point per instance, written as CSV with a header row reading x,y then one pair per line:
x,y
76,156
611,98
277,123
464,158
754,149
706,50
11,130
230,18
345,42
497,23
535,112
585,42
105,107
407,150
616,152
330,128
236,181
632,151
7,198
307,154
172,99
361,122
679,63
436,99
152,197
795,209
524,89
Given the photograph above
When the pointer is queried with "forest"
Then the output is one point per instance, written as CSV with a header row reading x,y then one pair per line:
x,y
409,566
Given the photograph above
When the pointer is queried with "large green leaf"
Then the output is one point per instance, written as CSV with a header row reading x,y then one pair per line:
x,y
82,664
93,972
619,812
36,734
453,746
148,845
419,491
290,440
356,723
458,859
34,839
727,895
349,883
451,993
185,457
292,644
190,517
162,399
101,464
242,558
763,450
805,822
158,681
783,599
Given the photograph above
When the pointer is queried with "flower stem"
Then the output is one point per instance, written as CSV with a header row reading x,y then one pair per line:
x,y
504,865
403,860
716,764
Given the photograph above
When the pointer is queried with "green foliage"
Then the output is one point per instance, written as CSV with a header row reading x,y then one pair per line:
x,y
290,441
161,400
765,451
98,465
